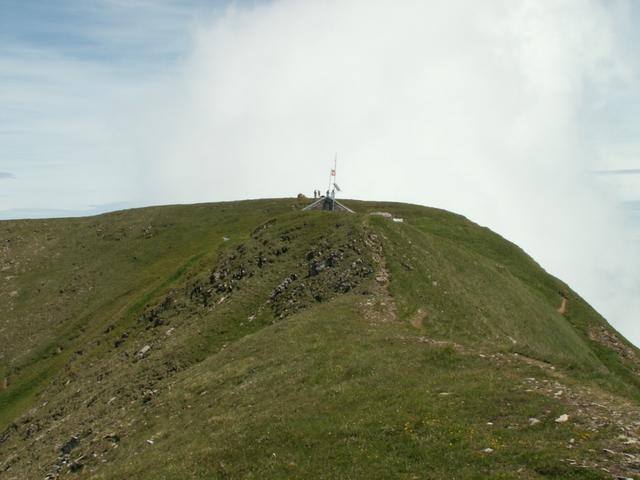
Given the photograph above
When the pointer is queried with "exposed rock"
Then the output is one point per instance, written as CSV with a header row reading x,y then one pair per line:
x,y
143,351
75,465
316,267
72,443
628,440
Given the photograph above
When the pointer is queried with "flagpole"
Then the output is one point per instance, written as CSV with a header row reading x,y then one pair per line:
x,y
333,190
332,174
335,171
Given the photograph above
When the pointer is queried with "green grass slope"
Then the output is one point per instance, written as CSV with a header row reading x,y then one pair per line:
x,y
253,340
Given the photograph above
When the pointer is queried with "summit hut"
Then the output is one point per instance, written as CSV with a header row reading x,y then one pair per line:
x,y
328,202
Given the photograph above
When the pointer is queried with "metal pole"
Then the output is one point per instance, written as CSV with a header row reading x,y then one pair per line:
x,y
333,189
332,174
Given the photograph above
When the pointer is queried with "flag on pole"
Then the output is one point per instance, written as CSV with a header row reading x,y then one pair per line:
x,y
333,172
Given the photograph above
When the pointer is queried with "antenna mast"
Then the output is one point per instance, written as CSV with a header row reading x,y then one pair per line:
x,y
329,202
332,178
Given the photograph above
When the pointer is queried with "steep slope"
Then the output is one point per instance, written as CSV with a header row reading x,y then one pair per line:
x,y
251,340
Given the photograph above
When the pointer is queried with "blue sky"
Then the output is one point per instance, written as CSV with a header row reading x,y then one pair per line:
x,y
506,111
69,72
122,32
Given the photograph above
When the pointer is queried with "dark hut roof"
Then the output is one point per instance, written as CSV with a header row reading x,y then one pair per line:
x,y
328,204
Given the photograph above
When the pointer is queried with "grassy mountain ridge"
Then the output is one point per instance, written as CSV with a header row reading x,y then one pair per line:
x,y
252,340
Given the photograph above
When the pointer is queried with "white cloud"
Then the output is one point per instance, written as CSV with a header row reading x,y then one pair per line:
x,y
471,106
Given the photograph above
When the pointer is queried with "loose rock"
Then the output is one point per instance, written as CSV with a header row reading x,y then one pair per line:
x,y
143,351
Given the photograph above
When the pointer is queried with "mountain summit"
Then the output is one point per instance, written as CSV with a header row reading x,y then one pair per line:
x,y
252,340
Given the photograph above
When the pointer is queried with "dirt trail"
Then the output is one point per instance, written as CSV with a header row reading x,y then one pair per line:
x,y
418,318
379,306
595,410
564,304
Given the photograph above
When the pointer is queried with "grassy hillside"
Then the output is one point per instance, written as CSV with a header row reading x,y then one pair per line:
x,y
253,340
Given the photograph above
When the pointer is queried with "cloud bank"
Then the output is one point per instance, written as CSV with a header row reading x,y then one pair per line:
x,y
627,171
471,107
